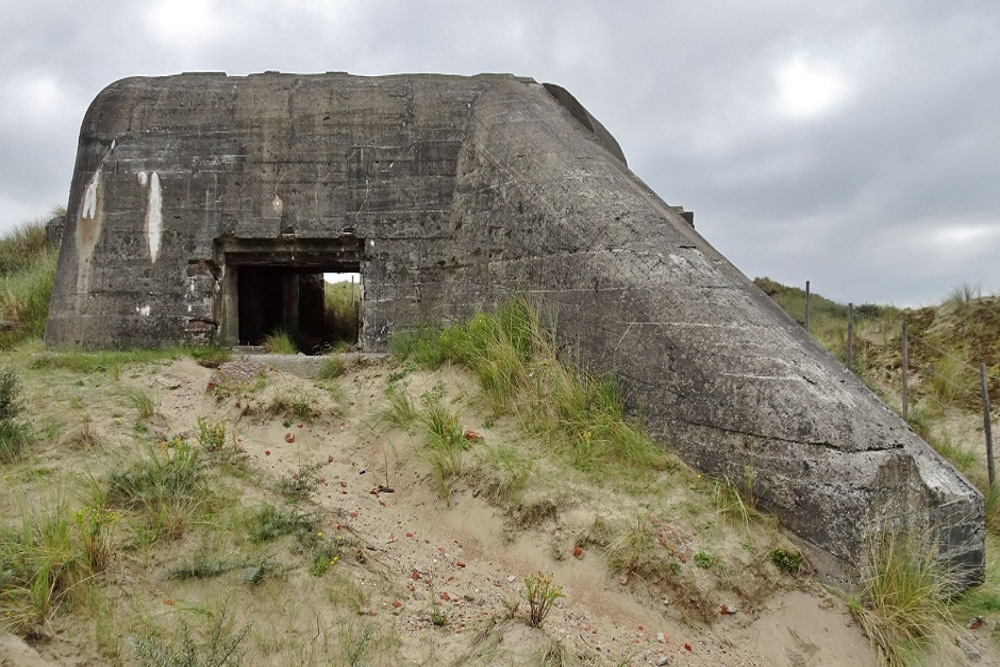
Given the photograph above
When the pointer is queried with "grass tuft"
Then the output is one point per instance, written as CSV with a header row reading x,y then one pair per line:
x,y
902,600
514,358
279,342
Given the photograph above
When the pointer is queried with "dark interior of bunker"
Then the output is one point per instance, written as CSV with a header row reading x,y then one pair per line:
x,y
281,289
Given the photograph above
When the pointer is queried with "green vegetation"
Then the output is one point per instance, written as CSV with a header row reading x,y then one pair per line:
x,y
515,360
27,274
14,433
341,302
540,593
902,601
279,342
905,601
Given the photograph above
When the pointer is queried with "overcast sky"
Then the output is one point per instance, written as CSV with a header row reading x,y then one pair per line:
x,y
854,143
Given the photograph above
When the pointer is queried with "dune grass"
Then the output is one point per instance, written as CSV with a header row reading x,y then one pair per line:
x,y
514,358
902,600
27,274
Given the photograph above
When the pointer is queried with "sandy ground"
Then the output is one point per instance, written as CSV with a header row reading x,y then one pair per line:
x,y
425,558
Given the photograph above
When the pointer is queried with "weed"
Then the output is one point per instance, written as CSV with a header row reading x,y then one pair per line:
x,y
332,367
14,434
541,594
730,503
400,411
634,547
211,437
142,401
22,246
705,560
211,357
279,342
14,440
789,562
340,301
292,408
324,551
422,344
902,598
269,523
96,526
39,565
503,474
445,441
556,654
217,644
167,489
359,643
439,616
300,485
11,398
27,274
85,437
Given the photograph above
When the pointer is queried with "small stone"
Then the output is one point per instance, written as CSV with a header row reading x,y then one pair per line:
x,y
662,660
660,637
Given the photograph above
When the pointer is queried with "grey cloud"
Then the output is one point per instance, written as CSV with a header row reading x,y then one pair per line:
x,y
688,89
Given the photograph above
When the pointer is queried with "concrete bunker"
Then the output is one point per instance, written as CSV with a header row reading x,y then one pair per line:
x,y
278,287
203,207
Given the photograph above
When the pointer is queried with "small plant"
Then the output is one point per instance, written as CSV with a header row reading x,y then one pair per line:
x,y
141,400
211,437
85,437
279,342
300,485
332,367
201,566
14,436
789,562
219,644
705,560
292,408
439,616
270,523
902,600
541,594
211,357
400,411
360,644
635,547
168,489
96,527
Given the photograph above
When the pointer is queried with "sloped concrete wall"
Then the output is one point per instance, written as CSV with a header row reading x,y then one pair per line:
x,y
464,191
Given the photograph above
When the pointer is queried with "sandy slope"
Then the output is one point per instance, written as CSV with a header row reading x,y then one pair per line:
x,y
417,553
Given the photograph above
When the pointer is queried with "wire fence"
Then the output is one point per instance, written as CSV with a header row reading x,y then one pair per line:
x,y
946,378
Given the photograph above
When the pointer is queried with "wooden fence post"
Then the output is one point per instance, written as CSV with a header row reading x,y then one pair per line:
x,y
807,306
850,336
987,428
906,372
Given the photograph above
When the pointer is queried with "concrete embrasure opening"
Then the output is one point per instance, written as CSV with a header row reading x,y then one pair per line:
x,y
278,286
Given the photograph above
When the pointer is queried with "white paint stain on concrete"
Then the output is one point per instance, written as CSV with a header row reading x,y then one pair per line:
x,y
154,216
90,197
278,205
143,178
144,311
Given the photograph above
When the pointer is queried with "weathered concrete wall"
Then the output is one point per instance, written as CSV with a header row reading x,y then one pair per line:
x,y
462,191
